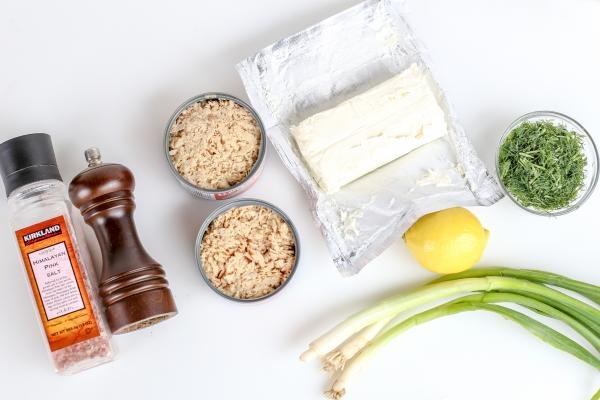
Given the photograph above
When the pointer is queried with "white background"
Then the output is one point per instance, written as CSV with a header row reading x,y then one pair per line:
x,y
110,74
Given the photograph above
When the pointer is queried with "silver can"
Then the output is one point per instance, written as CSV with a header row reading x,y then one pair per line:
x,y
251,178
241,203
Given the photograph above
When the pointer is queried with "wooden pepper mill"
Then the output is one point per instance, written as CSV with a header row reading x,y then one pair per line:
x,y
133,286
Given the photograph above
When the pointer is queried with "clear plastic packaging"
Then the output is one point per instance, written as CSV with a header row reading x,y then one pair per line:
x,y
333,61
61,277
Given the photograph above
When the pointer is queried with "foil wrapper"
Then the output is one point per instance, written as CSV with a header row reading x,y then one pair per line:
x,y
328,63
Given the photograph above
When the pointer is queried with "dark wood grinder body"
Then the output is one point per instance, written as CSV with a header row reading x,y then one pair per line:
x,y
133,287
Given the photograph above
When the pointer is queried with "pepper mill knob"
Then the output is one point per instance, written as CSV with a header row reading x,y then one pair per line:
x,y
133,286
93,157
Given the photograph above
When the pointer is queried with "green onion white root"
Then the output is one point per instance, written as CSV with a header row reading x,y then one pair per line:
x,y
336,359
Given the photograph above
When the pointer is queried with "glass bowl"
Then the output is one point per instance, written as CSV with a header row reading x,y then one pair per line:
x,y
588,147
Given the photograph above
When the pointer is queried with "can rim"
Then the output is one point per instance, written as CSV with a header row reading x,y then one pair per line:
x,y
235,204
213,96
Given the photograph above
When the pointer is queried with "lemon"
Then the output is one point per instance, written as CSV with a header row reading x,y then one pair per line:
x,y
447,241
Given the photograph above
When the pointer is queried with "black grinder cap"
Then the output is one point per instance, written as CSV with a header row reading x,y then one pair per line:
x,y
27,159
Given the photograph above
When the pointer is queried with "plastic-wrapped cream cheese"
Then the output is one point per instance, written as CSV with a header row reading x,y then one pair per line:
x,y
371,129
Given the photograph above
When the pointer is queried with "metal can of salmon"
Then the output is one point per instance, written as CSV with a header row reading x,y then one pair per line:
x,y
233,205
238,188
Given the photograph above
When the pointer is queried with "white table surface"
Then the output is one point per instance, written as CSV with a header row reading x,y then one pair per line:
x,y
110,74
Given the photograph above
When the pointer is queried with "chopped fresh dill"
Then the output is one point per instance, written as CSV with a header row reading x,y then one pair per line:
x,y
542,165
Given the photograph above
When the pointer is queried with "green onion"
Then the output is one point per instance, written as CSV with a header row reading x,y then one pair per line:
x,y
337,359
430,293
540,330
352,342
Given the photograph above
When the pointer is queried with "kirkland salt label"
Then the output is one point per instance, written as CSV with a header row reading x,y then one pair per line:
x,y
57,283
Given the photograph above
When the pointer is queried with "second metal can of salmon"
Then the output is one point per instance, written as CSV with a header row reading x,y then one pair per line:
x,y
231,205
253,174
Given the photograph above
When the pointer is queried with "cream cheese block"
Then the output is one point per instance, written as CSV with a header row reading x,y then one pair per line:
x,y
371,129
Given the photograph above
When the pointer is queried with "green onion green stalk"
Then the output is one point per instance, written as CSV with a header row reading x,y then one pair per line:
x,y
537,306
590,291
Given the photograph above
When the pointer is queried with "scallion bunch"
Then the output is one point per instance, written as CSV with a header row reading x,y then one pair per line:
x,y
346,348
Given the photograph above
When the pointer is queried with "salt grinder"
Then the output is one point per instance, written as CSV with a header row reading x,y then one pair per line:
x,y
133,286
